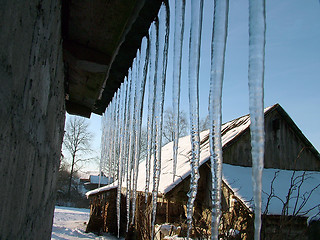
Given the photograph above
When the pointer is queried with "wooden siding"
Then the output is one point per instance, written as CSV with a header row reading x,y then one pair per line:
x,y
284,148
103,213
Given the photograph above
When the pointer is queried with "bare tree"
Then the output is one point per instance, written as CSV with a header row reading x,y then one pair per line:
x,y
204,123
168,128
294,203
77,140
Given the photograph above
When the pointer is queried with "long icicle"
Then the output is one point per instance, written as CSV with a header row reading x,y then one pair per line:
x,y
115,136
106,142
177,59
129,147
126,84
153,64
133,128
218,48
194,64
257,30
144,57
103,153
121,152
118,134
137,134
111,138
164,23
102,146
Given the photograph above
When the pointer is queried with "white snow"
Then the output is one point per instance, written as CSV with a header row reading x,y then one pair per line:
x,y
70,223
102,189
103,180
237,178
229,131
167,231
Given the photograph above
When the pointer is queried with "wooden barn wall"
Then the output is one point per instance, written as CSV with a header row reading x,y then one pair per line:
x,y
103,213
234,214
278,227
239,153
283,149
179,193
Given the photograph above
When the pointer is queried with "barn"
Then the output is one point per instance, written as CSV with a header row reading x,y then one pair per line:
x,y
290,189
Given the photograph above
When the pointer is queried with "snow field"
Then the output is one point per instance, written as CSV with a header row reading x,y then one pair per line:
x,y
70,224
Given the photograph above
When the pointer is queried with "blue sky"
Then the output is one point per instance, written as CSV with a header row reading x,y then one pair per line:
x,y
292,67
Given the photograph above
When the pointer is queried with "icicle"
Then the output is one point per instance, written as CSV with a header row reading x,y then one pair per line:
x,y
142,70
115,138
129,147
109,155
112,126
106,143
104,140
194,63
122,150
177,58
133,127
137,134
102,146
153,64
219,38
125,121
159,95
119,164
257,29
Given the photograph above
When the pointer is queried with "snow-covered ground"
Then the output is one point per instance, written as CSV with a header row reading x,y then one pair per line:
x,y
71,223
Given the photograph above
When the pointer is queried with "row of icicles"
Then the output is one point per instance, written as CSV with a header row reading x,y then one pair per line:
x,y
122,121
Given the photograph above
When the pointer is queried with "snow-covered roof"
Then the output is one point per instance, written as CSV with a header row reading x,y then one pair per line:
x,y
305,189
103,189
96,179
238,178
229,131
87,174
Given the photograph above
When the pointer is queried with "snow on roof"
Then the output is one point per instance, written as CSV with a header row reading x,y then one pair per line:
x,y
237,178
87,174
304,187
103,180
103,189
229,131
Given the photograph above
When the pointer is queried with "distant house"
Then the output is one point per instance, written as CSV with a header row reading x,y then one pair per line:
x,y
292,166
93,180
